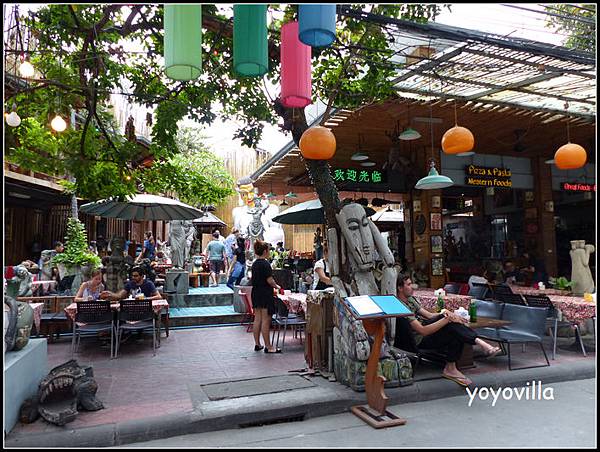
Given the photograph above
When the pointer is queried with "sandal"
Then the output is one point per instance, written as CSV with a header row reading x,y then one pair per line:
x,y
277,350
460,380
258,348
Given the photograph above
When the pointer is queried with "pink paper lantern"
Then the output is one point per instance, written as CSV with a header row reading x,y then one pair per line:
x,y
296,84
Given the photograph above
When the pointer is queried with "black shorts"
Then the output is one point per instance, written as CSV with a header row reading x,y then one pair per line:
x,y
216,266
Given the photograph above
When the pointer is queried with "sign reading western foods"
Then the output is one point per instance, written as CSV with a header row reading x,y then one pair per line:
x,y
483,176
358,176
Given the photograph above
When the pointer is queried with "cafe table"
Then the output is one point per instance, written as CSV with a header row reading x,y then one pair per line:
x,y
38,308
428,300
157,306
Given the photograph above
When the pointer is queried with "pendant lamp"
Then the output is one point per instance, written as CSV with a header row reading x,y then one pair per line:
x,y
250,46
183,41
295,68
359,156
317,143
368,164
570,155
457,140
316,24
409,134
434,180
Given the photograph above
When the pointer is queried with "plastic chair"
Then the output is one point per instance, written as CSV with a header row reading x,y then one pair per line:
x,y
136,315
283,318
93,317
479,291
246,296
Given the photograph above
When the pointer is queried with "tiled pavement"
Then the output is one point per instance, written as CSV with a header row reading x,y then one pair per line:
x,y
137,385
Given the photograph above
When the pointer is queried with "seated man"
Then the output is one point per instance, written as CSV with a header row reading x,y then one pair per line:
x,y
137,285
511,274
439,331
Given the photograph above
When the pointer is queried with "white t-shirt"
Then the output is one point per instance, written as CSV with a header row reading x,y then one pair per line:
x,y
477,279
319,264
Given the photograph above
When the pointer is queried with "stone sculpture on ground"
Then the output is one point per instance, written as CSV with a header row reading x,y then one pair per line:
x,y
581,276
20,285
20,321
359,241
116,266
45,264
177,238
66,389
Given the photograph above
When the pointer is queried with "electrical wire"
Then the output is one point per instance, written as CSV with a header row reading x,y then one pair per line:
x,y
580,19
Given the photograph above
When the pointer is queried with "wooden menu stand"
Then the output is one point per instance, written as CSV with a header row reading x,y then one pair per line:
x,y
375,413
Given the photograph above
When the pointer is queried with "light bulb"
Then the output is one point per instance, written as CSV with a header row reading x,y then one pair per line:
x,y
13,119
26,69
58,124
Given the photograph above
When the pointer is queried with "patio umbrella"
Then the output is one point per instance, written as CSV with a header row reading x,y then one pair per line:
x,y
143,207
208,222
388,219
309,212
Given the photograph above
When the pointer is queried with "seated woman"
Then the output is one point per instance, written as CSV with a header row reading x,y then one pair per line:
x,y
446,330
91,290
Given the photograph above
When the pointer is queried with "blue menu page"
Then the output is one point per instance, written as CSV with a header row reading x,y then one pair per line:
x,y
390,304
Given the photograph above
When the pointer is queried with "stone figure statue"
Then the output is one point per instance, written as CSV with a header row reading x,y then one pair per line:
x,y
581,276
116,267
65,390
256,228
45,265
360,241
190,235
20,321
177,238
20,284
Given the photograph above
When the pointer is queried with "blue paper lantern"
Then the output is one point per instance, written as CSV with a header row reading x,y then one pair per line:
x,y
316,24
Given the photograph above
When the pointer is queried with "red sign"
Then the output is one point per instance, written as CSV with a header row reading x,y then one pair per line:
x,y
578,187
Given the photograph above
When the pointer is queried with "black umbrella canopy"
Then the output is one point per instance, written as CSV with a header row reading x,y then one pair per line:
x,y
309,212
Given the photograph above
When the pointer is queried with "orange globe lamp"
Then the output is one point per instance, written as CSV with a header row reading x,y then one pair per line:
x,y
317,143
570,156
457,140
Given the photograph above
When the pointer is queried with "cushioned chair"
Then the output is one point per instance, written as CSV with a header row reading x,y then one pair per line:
x,y
479,291
452,288
510,298
136,315
527,325
500,289
93,317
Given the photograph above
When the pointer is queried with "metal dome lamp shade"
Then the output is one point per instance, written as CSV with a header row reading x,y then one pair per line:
x,y
434,180
359,157
316,25
183,41
409,134
250,58
368,164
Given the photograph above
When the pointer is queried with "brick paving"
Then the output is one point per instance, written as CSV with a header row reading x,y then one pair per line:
x,y
138,385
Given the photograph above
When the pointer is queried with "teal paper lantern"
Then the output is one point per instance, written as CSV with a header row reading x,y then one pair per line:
x,y
316,25
250,45
183,41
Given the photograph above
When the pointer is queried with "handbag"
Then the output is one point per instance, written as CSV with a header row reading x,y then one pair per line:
x,y
237,270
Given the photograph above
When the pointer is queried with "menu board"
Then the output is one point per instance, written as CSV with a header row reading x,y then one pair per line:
x,y
377,305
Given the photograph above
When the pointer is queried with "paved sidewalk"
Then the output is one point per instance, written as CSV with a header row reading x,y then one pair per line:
x,y
150,397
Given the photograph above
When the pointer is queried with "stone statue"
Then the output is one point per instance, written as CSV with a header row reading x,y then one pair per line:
x,y
256,228
20,284
360,240
20,321
581,276
61,393
116,268
190,235
45,265
177,238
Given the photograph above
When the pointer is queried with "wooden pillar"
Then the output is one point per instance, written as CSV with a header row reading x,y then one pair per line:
x,y
543,202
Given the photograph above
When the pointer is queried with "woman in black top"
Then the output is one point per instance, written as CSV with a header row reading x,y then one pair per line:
x,y
263,299
238,264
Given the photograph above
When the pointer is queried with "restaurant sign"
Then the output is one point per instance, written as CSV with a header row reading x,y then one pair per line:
x,y
483,176
576,186
358,176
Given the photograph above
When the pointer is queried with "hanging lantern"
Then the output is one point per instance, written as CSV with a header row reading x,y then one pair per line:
x,y
12,118
457,140
317,143
250,58
58,124
316,24
570,156
183,41
295,68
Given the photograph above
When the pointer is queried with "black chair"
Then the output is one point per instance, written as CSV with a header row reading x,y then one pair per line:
x,y
405,341
510,298
542,301
527,325
500,289
479,291
283,318
452,288
93,317
136,315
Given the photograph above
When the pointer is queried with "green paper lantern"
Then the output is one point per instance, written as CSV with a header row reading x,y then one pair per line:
x,y
250,45
183,41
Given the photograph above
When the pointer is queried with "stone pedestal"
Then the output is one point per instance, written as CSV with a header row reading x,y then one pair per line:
x,y
23,371
177,281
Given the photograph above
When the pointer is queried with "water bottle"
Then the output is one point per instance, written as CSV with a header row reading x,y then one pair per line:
x,y
440,303
473,311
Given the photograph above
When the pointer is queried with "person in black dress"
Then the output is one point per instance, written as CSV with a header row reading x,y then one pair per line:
x,y
263,299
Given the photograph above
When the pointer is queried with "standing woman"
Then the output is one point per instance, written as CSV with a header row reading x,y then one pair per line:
x,y
263,299
238,264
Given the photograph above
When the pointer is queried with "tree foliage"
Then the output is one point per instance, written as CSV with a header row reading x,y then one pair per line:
x,y
578,21
83,61
76,247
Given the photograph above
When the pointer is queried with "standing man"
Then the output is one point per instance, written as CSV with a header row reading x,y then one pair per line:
x,y
217,258
230,243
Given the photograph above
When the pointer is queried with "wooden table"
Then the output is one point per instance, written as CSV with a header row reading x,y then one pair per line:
x,y
466,358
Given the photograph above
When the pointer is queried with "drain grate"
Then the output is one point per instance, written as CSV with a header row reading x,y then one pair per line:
x,y
280,420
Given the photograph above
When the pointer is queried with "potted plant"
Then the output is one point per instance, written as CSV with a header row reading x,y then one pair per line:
x,y
561,283
76,259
